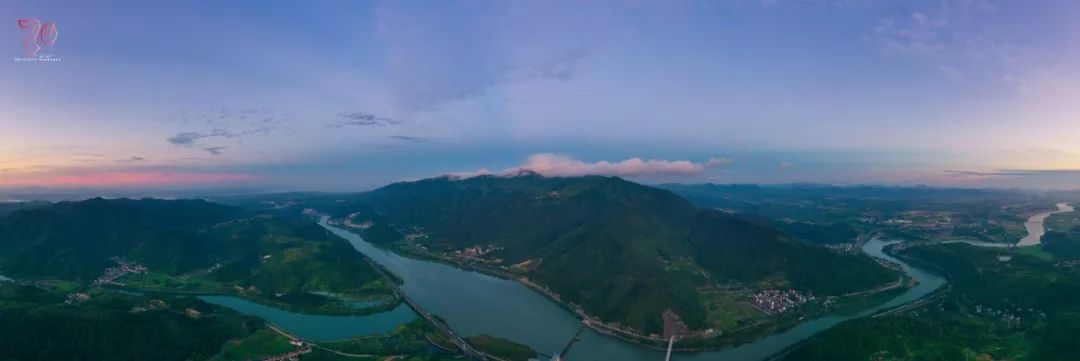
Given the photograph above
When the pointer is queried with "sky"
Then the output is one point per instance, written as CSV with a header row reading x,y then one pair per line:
x,y
352,95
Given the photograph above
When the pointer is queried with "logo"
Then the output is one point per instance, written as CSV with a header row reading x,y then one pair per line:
x,y
38,35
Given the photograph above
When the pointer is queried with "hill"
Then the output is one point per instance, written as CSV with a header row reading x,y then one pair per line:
x,y
188,246
622,251
35,324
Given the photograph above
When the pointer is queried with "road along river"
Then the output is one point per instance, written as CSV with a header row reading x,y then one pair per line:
x,y
473,304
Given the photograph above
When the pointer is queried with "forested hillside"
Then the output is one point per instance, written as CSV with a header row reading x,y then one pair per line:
x,y
624,251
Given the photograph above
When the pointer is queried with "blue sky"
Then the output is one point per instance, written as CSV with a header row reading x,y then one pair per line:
x,y
351,95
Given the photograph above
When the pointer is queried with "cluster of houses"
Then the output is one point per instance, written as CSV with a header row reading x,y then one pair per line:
x,y
350,221
152,305
122,268
301,349
1011,317
474,253
779,301
290,356
75,298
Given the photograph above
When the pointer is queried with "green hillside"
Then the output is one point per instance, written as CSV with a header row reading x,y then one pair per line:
x,y
623,251
189,246
34,325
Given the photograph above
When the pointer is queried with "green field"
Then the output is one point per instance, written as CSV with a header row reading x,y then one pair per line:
x,y
261,343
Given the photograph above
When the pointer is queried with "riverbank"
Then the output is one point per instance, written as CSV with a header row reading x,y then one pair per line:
x,y
722,341
1035,227
342,307
475,303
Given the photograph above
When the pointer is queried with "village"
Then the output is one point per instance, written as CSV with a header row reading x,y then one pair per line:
x,y
122,268
775,302
473,253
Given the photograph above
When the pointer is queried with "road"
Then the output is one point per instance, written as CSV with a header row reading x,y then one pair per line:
x,y
670,344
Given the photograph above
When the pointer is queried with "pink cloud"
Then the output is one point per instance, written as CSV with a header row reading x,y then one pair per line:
x,y
561,165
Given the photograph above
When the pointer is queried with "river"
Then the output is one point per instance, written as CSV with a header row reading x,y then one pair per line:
x,y
474,303
1035,230
319,327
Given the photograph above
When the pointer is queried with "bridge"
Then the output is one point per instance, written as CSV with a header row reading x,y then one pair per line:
x,y
458,341
670,343
577,336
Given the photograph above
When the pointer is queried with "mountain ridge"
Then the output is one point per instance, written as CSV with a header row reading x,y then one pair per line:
x,y
623,251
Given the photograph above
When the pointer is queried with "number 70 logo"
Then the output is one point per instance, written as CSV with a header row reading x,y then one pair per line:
x,y
38,35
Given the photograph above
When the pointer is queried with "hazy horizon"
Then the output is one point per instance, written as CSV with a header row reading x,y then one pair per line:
x,y
56,194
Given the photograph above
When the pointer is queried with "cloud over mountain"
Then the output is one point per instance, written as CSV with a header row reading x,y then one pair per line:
x,y
550,164
562,165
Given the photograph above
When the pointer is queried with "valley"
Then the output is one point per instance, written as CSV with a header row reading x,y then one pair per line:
x,y
497,287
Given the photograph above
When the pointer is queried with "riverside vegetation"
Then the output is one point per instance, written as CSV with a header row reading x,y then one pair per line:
x,y
619,251
52,310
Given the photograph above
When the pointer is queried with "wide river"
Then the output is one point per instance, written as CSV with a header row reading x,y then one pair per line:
x,y
473,304
1035,227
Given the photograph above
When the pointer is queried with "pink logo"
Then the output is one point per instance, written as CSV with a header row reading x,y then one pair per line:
x,y
38,35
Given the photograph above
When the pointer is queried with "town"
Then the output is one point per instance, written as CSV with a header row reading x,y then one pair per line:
x,y
779,301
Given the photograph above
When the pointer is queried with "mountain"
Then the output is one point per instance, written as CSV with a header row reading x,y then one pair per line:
x,y
188,245
73,240
622,251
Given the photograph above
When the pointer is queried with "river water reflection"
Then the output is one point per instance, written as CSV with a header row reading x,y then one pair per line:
x,y
319,327
1035,227
473,304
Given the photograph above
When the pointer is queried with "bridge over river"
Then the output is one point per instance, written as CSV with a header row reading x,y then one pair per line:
x,y
443,328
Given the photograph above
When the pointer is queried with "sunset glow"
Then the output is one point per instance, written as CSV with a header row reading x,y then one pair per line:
x,y
914,92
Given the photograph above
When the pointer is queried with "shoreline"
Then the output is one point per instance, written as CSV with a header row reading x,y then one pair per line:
x,y
1035,221
600,327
